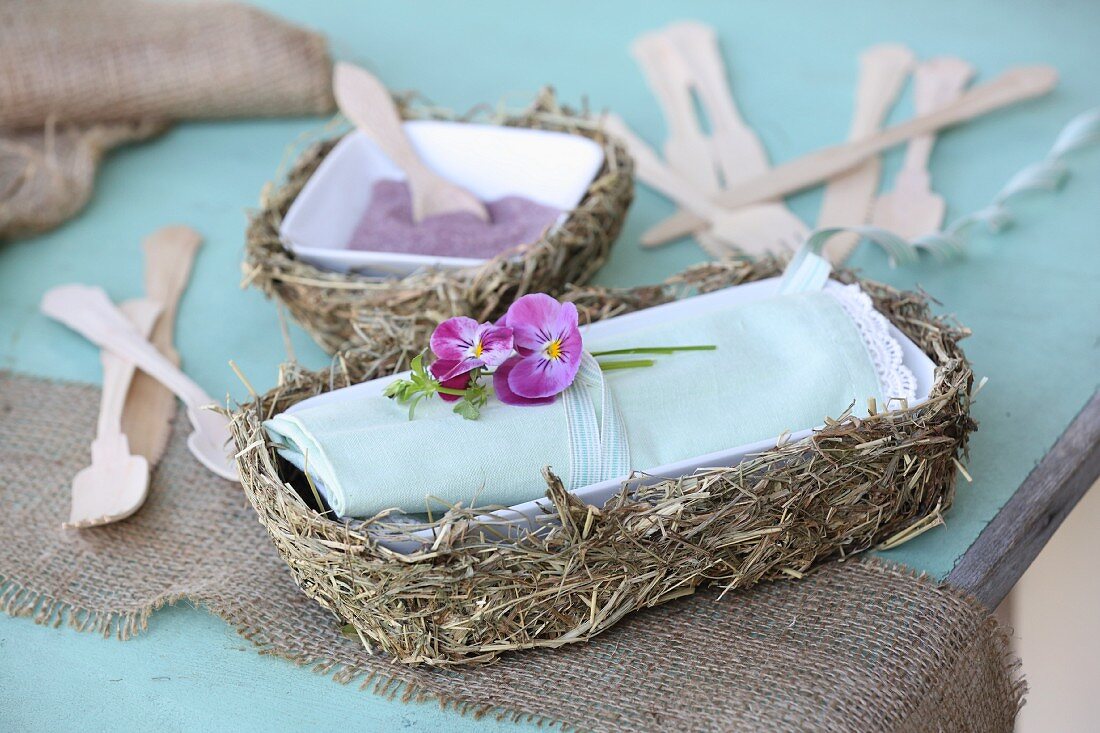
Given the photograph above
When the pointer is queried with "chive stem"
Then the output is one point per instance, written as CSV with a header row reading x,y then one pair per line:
x,y
655,350
629,364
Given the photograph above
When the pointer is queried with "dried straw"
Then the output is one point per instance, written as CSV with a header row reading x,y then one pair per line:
x,y
468,598
328,304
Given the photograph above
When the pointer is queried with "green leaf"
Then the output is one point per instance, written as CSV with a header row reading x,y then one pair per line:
x,y
399,390
468,410
413,404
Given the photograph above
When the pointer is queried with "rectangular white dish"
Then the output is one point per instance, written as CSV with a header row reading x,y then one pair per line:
x,y
492,161
524,515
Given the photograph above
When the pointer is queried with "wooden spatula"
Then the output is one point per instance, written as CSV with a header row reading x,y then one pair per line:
x,y
150,407
1010,87
367,103
912,209
117,482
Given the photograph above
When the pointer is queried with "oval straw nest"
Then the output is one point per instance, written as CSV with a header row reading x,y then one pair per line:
x,y
854,485
329,304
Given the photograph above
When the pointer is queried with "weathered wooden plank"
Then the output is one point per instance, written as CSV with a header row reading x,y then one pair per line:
x,y
1020,530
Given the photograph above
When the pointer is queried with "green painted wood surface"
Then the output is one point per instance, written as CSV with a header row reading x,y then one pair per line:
x,y
1030,295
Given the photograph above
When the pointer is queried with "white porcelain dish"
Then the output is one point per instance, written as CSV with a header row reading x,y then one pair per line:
x,y
523,515
551,168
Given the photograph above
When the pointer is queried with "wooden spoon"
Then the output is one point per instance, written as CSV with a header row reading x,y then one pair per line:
x,y
367,103
1015,85
117,482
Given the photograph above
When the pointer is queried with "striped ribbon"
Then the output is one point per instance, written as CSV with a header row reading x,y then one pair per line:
x,y
598,446
808,270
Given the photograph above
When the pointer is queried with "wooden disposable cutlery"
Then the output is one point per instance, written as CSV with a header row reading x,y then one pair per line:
x,y
150,407
365,101
911,209
88,311
687,148
1014,85
683,63
751,223
735,148
135,409
848,198
117,482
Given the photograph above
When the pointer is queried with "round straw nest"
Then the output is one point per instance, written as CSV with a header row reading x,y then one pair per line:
x,y
329,304
854,485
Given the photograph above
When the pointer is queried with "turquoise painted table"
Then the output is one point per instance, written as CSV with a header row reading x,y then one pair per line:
x,y
1030,295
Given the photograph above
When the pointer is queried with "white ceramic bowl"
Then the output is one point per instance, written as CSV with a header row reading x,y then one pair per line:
x,y
550,168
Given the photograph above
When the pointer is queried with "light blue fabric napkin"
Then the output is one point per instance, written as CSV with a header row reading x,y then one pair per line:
x,y
784,363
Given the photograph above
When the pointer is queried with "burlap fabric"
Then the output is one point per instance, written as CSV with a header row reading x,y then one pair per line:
x,y
854,646
80,77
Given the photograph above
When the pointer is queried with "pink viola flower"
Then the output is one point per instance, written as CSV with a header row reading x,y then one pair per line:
x,y
463,345
546,335
442,367
504,391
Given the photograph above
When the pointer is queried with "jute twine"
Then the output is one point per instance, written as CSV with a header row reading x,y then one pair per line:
x,y
79,78
853,646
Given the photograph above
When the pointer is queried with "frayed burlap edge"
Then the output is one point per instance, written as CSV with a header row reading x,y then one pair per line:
x,y
16,599
19,601
992,639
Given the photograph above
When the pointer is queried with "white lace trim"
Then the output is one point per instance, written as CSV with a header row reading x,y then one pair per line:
x,y
895,379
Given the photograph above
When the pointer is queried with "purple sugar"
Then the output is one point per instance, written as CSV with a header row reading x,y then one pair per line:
x,y
387,226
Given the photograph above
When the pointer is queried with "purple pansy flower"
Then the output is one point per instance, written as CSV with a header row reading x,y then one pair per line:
x,y
463,345
548,353
548,340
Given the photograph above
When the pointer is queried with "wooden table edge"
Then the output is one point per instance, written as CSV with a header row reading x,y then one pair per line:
x,y
997,559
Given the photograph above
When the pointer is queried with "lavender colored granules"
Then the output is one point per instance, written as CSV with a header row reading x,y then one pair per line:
x,y
387,226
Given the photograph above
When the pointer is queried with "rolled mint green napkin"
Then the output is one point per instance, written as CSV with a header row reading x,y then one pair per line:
x,y
784,363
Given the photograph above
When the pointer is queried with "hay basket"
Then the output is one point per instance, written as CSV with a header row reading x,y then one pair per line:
x,y
332,306
854,485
